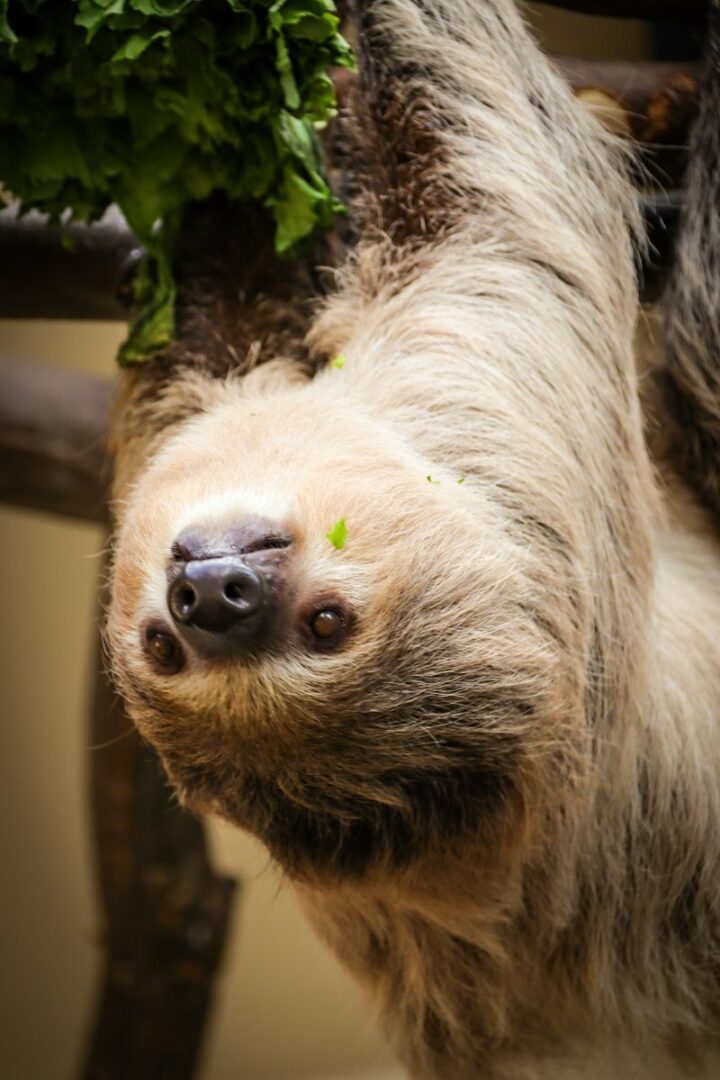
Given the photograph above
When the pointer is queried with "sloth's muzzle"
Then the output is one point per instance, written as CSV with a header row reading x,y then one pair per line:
x,y
223,597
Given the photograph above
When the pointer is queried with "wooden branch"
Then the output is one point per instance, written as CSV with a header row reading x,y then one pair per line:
x,y
651,10
52,440
53,422
651,102
654,102
165,911
45,279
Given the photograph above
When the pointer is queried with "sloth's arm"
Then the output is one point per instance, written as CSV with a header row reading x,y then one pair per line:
x,y
493,286
469,157
692,300
488,310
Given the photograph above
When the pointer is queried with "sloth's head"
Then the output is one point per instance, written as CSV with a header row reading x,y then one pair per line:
x,y
359,707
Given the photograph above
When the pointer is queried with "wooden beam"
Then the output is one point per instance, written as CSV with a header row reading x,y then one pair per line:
x,y
53,422
165,912
53,426
651,10
655,102
83,272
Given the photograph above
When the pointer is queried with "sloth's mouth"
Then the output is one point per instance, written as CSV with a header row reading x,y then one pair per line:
x,y
315,832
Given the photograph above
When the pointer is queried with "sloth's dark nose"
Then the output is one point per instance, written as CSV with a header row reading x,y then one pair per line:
x,y
229,587
217,603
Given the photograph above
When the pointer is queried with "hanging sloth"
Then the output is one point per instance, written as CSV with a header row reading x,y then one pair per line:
x,y
398,588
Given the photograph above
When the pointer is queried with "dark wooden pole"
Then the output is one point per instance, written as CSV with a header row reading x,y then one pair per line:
x,y
651,10
165,911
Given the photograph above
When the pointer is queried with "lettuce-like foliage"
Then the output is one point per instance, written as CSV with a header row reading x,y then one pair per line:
x,y
152,104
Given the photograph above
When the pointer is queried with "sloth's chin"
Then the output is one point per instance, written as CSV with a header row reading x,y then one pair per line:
x,y
316,839
315,844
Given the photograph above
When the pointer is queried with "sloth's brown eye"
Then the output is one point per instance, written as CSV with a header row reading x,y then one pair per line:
x,y
326,624
164,650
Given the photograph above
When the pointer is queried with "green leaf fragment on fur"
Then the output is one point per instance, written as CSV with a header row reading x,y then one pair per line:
x,y
339,362
431,481
338,534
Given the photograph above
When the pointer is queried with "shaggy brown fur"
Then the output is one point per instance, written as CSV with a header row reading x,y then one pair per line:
x,y
497,798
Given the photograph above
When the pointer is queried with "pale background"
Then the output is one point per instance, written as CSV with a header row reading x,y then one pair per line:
x,y
284,1009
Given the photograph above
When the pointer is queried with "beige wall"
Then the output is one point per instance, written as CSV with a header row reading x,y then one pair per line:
x,y
285,1010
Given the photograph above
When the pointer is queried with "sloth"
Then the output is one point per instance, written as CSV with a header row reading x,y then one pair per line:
x,y
398,588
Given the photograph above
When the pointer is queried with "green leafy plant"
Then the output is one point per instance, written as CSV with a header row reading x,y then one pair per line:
x,y
152,104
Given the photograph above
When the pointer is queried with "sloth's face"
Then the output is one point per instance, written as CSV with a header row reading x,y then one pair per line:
x,y
354,707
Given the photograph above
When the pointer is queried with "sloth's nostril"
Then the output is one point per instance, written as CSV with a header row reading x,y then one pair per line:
x,y
233,591
186,599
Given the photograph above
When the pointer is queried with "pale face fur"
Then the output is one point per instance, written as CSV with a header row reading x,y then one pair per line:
x,y
497,791
351,758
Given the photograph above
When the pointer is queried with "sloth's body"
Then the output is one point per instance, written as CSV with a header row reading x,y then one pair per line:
x,y
496,789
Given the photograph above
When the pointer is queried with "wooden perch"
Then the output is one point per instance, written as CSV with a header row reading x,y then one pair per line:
x,y
165,911
651,10
53,426
655,102
78,273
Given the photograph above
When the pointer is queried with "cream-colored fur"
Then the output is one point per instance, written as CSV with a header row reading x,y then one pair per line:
x,y
499,802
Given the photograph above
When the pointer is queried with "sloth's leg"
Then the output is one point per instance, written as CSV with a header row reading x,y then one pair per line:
x,y
692,300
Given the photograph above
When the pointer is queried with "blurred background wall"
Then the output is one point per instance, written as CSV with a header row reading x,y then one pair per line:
x,y
284,1009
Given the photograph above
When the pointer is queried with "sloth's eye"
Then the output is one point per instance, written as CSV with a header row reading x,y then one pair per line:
x,y
326,625
164,650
